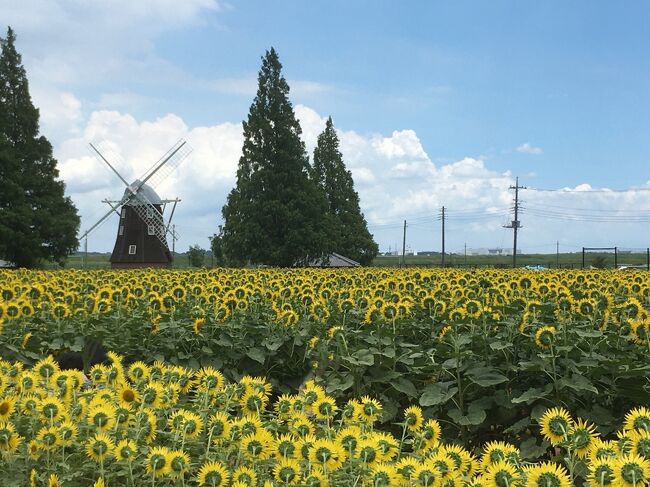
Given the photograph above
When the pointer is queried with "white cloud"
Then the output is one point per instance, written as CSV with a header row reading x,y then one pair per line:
x,y
393,174
202,181
235,86
60,112
119,100
526,148
305,87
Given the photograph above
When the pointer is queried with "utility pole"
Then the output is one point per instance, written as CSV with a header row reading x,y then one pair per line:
x,y
443,236
515,224
465,253
557,253
404,246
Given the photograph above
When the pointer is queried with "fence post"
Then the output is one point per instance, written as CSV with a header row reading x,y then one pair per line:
x,y
615,257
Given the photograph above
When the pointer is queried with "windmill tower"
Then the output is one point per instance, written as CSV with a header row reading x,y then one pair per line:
x,y
142,232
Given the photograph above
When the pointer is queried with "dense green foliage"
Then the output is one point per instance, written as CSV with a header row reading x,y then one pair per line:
x,y
196,256
216,247
350,236
276,215
37,221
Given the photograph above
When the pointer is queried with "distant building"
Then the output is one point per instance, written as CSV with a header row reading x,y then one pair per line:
x,y
334,260
492,251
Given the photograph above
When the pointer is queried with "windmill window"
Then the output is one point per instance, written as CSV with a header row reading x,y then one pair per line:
x,y
131,249
123,213
150,230
149,213
121,229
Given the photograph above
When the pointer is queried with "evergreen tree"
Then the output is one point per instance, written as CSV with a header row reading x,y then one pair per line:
x,y
37,221
276,215
350,236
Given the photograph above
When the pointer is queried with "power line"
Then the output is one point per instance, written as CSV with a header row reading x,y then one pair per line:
x,y
585,191
559,215
596,210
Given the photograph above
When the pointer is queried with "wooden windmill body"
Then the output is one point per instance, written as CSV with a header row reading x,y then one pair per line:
x,y
137,244
142,232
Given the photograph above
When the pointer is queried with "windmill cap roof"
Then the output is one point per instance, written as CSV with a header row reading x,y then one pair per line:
x,y
146,191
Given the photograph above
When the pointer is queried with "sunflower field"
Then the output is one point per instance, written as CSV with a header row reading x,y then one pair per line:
x,y
374,377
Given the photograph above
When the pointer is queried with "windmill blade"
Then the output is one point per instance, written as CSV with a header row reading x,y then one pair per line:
x,y
102,158
166,164
99,222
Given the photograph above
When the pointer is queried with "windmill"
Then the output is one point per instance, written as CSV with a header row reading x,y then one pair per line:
x,y
142,233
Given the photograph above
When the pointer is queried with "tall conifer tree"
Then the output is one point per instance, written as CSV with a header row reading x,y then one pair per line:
x,y
37,221
276,215
350,236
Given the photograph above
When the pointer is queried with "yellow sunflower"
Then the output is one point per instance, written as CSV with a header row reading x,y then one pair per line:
x,y
638,419
53,481
582,436
213,474
502,474
126,450
601,472
179,463
9,439
157,463
547,474
556,424
413,419
100,447
244,475
544,337
631,470
287,471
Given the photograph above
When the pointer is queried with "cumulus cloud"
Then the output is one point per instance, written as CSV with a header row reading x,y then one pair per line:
x,y
393,174
526,148
60,112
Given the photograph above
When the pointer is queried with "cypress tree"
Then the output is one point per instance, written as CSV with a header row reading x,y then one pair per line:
x,y
276,214
350,236
37,221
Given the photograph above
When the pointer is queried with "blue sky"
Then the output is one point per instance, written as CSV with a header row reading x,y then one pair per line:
x,y
436,103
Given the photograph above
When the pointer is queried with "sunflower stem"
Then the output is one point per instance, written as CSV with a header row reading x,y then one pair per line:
x,y
401,441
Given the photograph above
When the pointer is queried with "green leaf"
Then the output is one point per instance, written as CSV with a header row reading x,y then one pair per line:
x,y
405,386
363,357
532,394
273,344
538,411
473,416
486,377
340,384
577,382
438,393
588,333
519,426
531,450
388,352
256,354
500,345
